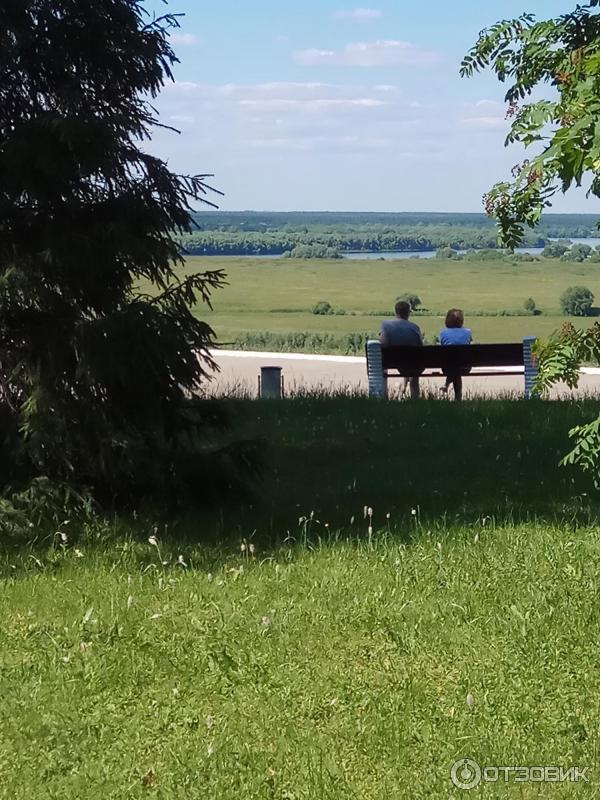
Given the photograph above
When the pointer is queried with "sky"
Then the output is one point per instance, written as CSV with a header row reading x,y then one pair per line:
x,y
327,105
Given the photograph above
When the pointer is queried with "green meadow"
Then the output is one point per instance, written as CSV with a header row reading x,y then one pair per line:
x,y
406,585
277,295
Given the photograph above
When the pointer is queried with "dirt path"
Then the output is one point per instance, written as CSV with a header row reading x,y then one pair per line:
x,y
240,371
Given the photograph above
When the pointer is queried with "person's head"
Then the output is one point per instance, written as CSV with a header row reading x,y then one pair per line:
x,y
455,318
402,309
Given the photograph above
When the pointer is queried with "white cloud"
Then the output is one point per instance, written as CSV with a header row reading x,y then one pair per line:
x,y
495,123
359,14
186,39
297,117
485,115
382,53
314,105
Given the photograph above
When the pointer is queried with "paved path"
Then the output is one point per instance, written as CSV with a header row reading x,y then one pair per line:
x,y
240,370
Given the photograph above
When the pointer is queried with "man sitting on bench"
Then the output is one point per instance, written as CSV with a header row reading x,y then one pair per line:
x,y
401,331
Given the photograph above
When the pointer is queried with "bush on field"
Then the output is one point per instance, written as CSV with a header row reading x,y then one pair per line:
x,y
447,252
312,251
556,249
487,254
578,253
577,301
323,308
529,305
413,300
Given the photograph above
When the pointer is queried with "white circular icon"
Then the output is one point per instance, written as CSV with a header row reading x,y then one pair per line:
x,y
465,773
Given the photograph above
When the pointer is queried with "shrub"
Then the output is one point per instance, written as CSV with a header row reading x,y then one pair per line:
x,y
578,252
323,308
413,300
577,301
447,252
529,305
556,249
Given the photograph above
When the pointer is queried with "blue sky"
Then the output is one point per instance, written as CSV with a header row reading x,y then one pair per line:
x,y
332,105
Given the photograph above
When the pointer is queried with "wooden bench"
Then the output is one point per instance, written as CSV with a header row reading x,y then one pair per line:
x,y
384,363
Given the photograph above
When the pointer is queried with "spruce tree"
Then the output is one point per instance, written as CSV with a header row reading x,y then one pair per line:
x,y
97,377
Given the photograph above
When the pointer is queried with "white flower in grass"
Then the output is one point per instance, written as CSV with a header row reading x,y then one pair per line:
x,y
252,549
63,537
78,554
266,622
181,562
153,541
470,700
129,602
210,721
414,512
210,750
388,515
243,547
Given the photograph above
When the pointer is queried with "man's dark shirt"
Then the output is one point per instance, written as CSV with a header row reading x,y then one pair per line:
x,y
400,332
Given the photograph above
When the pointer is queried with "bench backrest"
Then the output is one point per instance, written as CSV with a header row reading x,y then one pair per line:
x,y
452,357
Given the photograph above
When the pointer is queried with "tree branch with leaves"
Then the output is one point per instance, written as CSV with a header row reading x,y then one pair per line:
x,y
563,133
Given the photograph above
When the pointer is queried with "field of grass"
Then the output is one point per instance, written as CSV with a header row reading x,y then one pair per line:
x,y
349,669
275,647
277,295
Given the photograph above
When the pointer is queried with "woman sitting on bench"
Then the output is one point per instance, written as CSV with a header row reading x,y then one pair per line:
x,y
455,333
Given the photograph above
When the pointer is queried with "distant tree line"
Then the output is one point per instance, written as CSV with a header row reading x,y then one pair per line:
x,y
553,226
320,241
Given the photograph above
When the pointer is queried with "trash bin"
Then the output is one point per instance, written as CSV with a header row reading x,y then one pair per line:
x,y
270,383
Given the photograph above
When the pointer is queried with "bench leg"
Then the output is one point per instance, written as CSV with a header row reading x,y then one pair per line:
x,y
375,374
531,366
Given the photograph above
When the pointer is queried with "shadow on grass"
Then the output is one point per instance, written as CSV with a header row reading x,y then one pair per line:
x,y
418,466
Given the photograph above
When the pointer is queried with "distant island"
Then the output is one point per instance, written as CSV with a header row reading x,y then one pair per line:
x,y
231,233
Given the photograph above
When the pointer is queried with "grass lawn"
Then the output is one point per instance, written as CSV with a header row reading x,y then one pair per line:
x,y
328,662
277,295
345,670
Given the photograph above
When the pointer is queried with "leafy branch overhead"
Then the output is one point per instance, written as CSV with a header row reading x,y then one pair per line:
x,y
564,131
